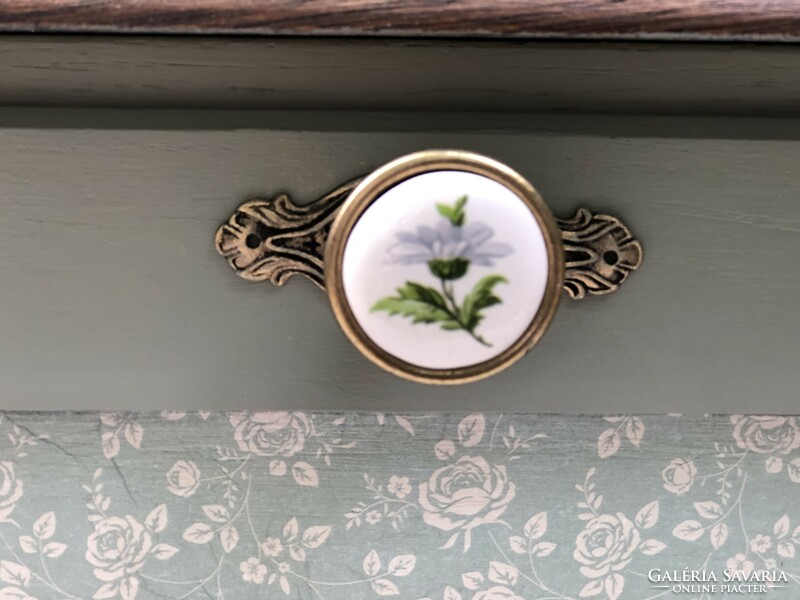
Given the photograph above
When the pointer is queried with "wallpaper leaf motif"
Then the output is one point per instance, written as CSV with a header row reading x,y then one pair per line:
x,y
366,505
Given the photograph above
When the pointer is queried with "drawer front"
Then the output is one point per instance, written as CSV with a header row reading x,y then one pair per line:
x,y
267,457
112,295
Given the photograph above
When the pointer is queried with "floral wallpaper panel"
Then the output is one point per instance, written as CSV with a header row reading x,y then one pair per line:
x,y
335,506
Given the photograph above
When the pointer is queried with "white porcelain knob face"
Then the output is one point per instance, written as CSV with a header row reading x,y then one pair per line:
x,y
445,274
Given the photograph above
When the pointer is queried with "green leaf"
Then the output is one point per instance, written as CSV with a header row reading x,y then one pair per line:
x,y
419,312
451,325
420,303
455,214
485,286
422,293
445,211
459,215
481,297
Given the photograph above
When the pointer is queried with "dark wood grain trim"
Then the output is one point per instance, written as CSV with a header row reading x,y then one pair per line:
x,y
387,74
631,19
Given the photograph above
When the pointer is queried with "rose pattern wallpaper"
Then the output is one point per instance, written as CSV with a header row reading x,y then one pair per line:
x,y
335,506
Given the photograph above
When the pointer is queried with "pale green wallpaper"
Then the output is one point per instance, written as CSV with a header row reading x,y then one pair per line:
x,y
340,506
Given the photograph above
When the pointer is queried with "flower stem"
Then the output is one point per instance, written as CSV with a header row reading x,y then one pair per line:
x,y
452,308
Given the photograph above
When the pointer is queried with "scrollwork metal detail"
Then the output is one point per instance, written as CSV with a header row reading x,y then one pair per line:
x,y
274,239
600,253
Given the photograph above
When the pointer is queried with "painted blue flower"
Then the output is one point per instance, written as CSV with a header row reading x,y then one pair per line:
x,y
446,241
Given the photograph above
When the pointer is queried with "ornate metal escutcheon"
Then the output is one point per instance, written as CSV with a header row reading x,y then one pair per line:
x,y
442,266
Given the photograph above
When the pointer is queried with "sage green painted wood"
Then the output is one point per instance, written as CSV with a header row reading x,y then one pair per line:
x,y
325,74
111,294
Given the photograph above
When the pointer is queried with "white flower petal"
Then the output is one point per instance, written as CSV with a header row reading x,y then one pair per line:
x,y
477,233
495,249
407,237
428,236
448,232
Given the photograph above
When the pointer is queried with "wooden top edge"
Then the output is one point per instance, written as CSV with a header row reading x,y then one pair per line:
x,y
726,20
